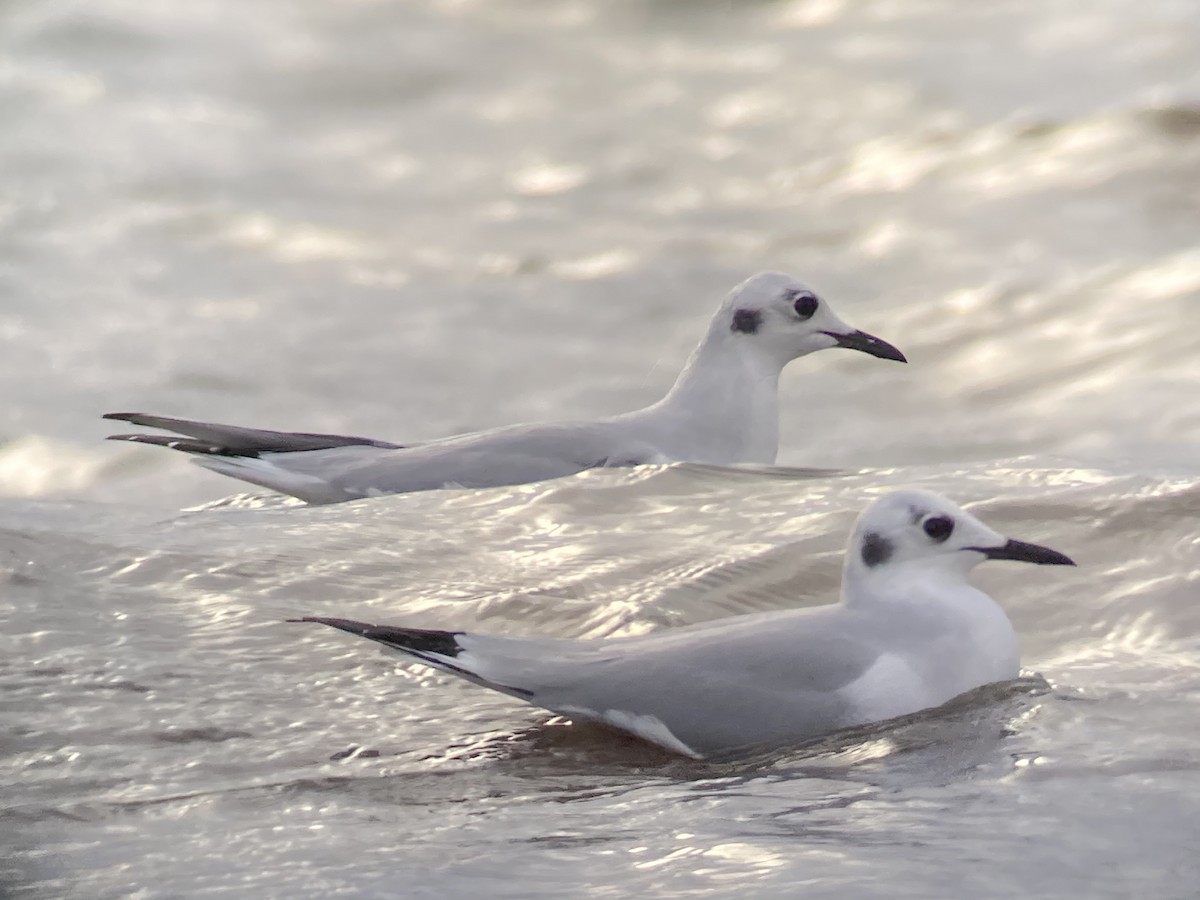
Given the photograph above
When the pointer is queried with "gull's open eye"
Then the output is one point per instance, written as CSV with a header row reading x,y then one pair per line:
x,y
939,527
804,303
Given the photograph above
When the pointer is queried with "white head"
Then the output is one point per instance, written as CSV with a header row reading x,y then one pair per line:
x,y
907,530
786,318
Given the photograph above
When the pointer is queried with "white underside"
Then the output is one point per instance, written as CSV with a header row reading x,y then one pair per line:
x,y
266,474
648,728
889,688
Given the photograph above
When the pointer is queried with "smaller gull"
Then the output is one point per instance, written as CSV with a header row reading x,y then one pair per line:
x,y
722,410
910,633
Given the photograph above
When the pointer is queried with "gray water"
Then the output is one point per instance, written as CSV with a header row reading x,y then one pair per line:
x,y
408,220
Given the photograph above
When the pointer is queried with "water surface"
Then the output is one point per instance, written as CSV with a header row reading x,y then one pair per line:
x,y
410,220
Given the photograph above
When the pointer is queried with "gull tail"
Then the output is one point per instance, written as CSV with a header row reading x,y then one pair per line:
x,y
442,650
255,455
212,439
565,677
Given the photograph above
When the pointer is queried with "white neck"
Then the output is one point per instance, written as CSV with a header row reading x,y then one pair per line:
x,y
971,640
723,408
925,584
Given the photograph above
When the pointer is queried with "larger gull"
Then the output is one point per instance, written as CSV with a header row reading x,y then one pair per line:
x,y
910,633
722,410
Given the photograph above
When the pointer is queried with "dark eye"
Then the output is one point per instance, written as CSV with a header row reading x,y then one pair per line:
x,y
939,527
805,305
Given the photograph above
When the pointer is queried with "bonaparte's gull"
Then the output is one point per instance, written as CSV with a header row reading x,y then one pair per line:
x,y
909,633
722,410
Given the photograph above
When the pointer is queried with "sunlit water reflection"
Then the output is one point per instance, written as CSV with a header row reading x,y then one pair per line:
x,y
410,221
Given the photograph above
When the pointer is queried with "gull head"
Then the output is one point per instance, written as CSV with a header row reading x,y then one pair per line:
x,y
908,530
786,318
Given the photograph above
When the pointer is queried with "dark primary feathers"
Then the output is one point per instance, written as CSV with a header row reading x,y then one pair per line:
x,y
209,438
410,640
431,647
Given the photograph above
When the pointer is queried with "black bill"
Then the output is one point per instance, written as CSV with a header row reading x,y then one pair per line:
x,y
867,343
1023,552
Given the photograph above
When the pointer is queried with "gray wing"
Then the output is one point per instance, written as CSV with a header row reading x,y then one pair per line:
x,y
320,468
514,455
766,679
232,440
758,680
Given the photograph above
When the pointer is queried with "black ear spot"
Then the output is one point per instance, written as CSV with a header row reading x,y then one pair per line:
x,y
876,549
746,321
939,528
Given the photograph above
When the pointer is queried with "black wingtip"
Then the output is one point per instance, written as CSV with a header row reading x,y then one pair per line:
x,y
417,641
350,625
184,444
122,417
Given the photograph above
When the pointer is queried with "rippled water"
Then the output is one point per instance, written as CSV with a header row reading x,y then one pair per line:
x,y
407,220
